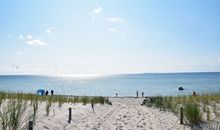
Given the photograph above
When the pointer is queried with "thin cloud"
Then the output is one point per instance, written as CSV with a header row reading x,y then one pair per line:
x,y
36,42
97,10
19,53
50,30
115,20
21,37
113,30
29,37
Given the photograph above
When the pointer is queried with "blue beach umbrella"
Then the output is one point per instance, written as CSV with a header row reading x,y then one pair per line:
x,y
40,92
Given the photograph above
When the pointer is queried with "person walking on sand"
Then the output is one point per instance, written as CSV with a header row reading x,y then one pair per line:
x,y
142,94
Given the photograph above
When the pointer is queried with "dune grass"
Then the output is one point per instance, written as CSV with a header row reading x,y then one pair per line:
x,y
192,113
195,107
11,114
52,99
14,105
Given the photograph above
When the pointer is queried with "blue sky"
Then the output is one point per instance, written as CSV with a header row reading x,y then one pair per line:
x,y
109,36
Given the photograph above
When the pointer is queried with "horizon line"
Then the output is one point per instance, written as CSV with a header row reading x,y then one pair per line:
x,y
96,75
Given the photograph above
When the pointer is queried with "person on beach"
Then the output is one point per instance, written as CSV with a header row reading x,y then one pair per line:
x,y
142,94
46,93
194,93
116,94
51,92
136,94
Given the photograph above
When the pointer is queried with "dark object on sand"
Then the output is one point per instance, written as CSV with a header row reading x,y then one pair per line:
x,y
51,92
92,104
181,115
46,93
181,88
136,94
145,101
142,94
70,115
30,125
40,92
194,93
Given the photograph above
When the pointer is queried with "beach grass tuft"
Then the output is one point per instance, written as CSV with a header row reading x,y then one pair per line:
x,y
194,106
192,113
14,105
11,114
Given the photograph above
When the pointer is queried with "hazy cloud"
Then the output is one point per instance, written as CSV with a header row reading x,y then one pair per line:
x,y
19,53
50,30
21,37
113,30
97,10
29,37
35,42
115,20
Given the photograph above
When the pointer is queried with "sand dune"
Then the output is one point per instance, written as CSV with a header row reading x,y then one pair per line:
x,y
124,114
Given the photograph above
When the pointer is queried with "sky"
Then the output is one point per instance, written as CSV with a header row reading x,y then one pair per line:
x,y
86,37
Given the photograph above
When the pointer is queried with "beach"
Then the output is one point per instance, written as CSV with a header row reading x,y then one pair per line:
x,y
123,114
19,111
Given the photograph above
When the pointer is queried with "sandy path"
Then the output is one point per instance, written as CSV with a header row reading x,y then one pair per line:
x,y
124,114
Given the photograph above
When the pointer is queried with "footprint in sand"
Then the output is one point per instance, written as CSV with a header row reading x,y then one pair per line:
x,y
124,116
46,127
87,125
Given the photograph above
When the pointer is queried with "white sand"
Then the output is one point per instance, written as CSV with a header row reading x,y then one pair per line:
x,y
124,114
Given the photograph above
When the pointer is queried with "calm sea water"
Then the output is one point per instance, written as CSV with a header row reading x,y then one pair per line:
x,y
124,85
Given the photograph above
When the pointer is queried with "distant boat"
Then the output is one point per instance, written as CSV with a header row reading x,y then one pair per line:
x,y
181,88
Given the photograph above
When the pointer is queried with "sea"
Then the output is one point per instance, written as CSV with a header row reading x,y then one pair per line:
x,y
152,84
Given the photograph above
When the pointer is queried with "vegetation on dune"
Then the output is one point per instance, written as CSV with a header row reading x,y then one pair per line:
x,y
192,113
11,114
197,109
14,105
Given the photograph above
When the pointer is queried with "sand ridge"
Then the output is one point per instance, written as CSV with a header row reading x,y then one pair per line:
x,y
123,114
